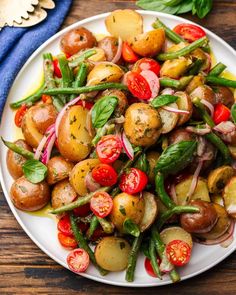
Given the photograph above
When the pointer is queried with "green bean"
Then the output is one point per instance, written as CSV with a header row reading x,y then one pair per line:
x,y
85,89
81,76
160,190
18,149
74,62
221,81
233,113
67,76
93,226
132,260
168,82
83,244
217,70
48,71
203,112
106,129
153,258
107,226
130,227
182,52
195,68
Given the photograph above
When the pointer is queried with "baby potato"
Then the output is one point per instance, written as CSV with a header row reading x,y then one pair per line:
x,y
127,206
142,124
62,194
178,135
229,197
224,95
170,234
175,68
150,211
104,72
149,43
29,196
194,83
78,174
169,119
74,141
232,149
152,158
58,169
109,44
218,178
204,92
98,56
112,253
184,103
15,161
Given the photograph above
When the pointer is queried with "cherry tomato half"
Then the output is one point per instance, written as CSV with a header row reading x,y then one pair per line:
x,y
221,113
101,204
189,32
178,252
133,181
128,54
109,148
138,86
64,226
146,63
57,70
148,267
104,174
46,98
82,211
85,104
67,242
78,260
20,114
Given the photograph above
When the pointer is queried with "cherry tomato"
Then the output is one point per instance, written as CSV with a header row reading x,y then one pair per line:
x,y
85,104
189,32
78,260
46,98
64,226
109,148
128,54
20,114
82,211
138,86
104,174
101,204
221,113
146,63
133,181
148,267
178,252
57,70
67,242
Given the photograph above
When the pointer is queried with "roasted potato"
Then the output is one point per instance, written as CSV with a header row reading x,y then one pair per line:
x,y
62,194
150,211
28,196
124,23
175,68
229,197
152,158
194,83
204,92
142,124
170,234
218,178
178,135
58,169
232,150
15,161
109,44
78,174
100,55
224,95
74,141
184,103
169,119
149,43
112,253
200,54
76,40
127,206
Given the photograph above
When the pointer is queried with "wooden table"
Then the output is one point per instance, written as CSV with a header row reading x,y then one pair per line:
x,y
25,269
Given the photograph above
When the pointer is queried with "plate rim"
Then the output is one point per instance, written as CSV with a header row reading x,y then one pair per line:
x,y
15,211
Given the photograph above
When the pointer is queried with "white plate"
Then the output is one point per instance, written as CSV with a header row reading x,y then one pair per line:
x,y
43,230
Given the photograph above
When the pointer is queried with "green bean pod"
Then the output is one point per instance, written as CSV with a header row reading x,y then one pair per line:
x,y
220,81
19,150
217,69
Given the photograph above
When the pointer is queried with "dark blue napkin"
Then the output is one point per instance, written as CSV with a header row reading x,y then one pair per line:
x,y
17,44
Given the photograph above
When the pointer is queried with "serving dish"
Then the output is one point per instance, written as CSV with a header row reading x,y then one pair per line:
x,y
39,228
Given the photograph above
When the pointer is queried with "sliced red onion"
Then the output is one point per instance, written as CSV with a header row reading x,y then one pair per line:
x,y
117,57
48,149
207,70
199,131
201,147
208,105
43,142
169,91
90,183
153,82
225,127
166,265
127,146
173,110
195,179
124,79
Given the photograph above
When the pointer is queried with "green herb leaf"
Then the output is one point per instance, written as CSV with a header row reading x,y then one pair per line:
x,y
233,113
202,7
186,6
172,2
34,171
157,6
131,228
102,110
142,163
163,100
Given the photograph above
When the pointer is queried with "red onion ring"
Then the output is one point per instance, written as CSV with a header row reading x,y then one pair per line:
x,y
90,183
199,131
195,179
48,149
127,146
50,130
153,82
173,110
225,127
208,105
117,57
169,91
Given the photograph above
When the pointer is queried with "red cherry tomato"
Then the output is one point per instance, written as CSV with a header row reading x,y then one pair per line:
x,y
78,260
138,86
104,174
85,104
20,114
221,113
109,148
46,98
146,63
148,267
64,226
128,54
67,242
101,204
178,252
82,211
189,32
57,70
133,181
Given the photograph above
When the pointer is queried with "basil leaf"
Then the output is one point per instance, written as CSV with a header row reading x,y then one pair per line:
x,y
131,228
34,171
185,7
142,163
102,110
157,6
163,100
202,7
233,113
172,2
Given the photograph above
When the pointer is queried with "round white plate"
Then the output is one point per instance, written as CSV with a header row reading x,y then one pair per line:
x,y
43,230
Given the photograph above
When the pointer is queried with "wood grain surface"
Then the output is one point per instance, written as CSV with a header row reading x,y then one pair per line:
x,y
25,269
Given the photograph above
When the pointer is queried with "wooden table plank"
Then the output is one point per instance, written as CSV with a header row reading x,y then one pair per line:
x,y
25,269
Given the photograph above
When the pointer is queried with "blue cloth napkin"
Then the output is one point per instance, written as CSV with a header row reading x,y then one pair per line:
x,y
17,44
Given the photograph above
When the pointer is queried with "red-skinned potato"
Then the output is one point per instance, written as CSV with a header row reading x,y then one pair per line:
x,y
110,45
63,194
